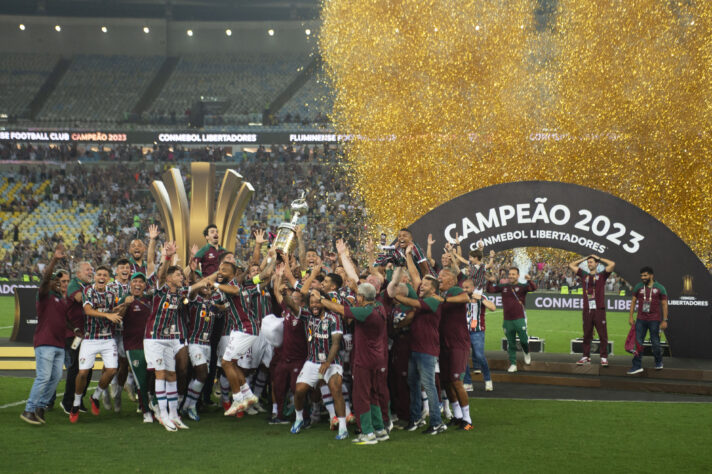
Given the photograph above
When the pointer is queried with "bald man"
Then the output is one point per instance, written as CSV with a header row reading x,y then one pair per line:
x,y
137,251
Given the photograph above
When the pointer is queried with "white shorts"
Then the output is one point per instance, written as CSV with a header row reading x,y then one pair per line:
x,y
199,354
222,345
261,352
91,347
120,345
161,353
240,343
310,373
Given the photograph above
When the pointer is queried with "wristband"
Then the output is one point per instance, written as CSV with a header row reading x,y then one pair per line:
x,y
168,258
256,280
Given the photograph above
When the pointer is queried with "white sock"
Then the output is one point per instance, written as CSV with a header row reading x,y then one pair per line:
x,y
426,406
347,399
466,414
328,401
245,390
130,379
172,397
274,409
260,383
342,424
97,393
299,414
456,410
115,380
77,399
161,396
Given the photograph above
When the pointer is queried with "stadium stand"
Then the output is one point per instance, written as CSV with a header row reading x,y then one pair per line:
x,y
21,76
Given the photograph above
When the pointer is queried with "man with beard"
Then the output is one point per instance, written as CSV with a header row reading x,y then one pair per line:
x,y
137,251
650,300
398,255
323,363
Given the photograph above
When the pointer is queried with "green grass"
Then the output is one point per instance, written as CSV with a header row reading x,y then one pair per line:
x,y
510,436
556,327
7,315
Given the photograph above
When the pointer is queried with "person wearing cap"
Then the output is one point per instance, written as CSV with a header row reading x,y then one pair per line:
x,y
136,309
52,310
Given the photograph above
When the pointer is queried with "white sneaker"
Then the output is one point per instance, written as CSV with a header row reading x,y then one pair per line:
x,y
512,368
179,423
468,387
148,417
488,386
259,408
168,425
364,439
237,405
382,435
250,400
604,362
252,410
528,358
584,361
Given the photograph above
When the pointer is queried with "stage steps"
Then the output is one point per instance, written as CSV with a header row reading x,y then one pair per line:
x,y
16,357
690,379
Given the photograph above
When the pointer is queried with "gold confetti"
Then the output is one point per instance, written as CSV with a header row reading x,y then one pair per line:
x,y
445,97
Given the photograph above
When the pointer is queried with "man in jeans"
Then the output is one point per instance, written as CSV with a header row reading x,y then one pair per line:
x,y
476,323
49,340
425,348
650,297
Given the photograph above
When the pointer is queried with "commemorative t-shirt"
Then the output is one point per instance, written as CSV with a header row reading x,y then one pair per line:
x,y
51,320
104,302
650,299
135,319
370,335
240,317
453,322
424,330
201,317
165,321
594,289
294,342
209,258
514,298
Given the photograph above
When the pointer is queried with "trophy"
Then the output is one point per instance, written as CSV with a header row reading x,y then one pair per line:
x,y
286,239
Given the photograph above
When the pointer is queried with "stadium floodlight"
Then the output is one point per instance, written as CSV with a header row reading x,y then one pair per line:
x,y
146,30
270,32
189,32
307,31
57,28
22,27
104,29
228,32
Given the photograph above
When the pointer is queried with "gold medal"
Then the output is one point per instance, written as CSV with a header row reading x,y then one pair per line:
x,y
186,301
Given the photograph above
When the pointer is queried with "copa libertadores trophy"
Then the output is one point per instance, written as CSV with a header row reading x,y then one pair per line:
x,y
286,239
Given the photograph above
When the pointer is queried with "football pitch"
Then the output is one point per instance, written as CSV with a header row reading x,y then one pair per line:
x,y
509,436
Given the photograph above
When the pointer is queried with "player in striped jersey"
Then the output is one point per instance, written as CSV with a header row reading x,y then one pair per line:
x,y
245,332
120,288
163,333
323,363
99,305
201,316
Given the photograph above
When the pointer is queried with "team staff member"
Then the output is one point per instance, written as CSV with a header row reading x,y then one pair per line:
x,y
370,361
83,276
476,322
136,310
650,298
514,297
594,304
52,310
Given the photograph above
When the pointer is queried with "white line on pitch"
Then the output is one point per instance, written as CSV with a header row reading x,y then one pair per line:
x,y
21,402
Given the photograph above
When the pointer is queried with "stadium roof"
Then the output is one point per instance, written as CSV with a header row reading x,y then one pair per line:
x,y
180,10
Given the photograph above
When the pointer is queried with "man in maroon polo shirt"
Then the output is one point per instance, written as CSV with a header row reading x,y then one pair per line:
x,y
594,304
370,364
48,340
454,347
